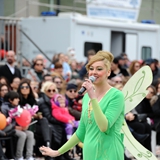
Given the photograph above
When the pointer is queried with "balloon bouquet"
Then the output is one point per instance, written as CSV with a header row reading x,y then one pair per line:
x,y
23,115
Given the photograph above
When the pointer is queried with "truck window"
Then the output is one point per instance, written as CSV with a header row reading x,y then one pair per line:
x,y
91,45
146,53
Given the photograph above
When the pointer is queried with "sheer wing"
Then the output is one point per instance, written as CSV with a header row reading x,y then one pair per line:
x,y
134,91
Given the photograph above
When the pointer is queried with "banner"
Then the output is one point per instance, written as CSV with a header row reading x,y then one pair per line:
x,y
114,9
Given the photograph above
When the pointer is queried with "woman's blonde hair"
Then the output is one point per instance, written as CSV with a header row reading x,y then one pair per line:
x,y
47,85
105,56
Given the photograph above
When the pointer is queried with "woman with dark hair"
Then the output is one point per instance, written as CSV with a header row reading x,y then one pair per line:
x,y
3,90
116,69
3,80
26,96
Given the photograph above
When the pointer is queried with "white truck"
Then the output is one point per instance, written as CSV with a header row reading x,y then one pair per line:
x,y
56,34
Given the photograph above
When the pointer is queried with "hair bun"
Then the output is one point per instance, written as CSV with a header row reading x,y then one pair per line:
x,y
109,56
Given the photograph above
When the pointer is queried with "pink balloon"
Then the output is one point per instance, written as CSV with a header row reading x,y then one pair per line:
x,y
24,119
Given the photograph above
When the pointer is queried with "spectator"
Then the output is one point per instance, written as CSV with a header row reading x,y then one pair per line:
x,y
11,100
9,70
15,83
34,85
41,128
3,90
144,109
3,80
73,100
155,70
134,67
116,69
38,71
41,57
61,113
74,68
60,84
126,63
116,80
67,73
47,77
58,70
83,71
58,128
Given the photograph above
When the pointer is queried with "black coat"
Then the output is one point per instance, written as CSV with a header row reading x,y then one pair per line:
x,y
58,128
144,107
5,71
156,111
75,113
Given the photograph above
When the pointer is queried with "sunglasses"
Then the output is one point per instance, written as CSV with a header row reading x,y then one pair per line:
x,y
39,64
58,82
24,87
118,81
71,91
51,90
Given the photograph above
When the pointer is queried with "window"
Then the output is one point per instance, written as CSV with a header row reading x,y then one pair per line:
x,y
146,53
91,45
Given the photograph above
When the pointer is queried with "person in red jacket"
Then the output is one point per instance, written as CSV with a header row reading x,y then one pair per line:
x,y
61,113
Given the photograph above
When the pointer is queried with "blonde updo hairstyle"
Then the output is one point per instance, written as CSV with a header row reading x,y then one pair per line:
x,y
104,56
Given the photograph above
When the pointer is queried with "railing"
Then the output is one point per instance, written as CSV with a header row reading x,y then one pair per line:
x,y
9,36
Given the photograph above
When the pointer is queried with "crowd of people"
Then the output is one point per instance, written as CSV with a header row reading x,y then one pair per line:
x,y
54,89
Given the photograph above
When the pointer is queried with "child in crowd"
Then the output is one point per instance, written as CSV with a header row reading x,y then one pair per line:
x,y
61,113
11,100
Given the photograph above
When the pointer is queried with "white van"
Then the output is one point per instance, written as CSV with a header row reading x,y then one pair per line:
x,y
56,34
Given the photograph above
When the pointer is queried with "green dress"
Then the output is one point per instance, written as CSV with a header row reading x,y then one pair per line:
x,y
99,145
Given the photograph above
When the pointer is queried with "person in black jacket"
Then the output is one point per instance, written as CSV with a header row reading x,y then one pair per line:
x,y
42,127
9,70
58,128
116,69
73,106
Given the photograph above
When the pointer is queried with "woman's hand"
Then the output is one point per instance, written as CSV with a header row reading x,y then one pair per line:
x,y
130,116
89,88
49,152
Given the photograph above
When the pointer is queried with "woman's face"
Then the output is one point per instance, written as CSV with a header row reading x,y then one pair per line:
x,y
72,93
25,90
50,91
15,102
3,81
114,66
150,93
58,82
38,65
34,86
3,91
136,66
98,70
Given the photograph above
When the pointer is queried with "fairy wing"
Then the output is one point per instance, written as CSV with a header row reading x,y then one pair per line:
x,y
134,91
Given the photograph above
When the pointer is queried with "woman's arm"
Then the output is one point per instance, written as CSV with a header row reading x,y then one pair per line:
x,y
100,118
67,146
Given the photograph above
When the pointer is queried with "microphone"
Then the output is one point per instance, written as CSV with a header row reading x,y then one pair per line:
x,y
82,90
